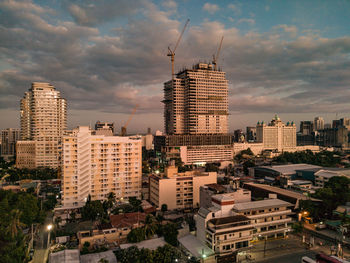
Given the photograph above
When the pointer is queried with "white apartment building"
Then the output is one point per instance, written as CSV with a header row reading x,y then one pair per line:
x,y
97,165
44,119
277,135
206,153
270,217
196,101
178,190
231,223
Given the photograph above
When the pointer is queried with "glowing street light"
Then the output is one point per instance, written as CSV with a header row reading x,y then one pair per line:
x,y
49,227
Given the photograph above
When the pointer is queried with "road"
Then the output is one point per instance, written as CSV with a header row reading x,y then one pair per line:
x,y
280,247
290,258
40,247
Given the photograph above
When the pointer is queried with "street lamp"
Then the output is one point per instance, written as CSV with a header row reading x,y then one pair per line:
x,y
49,228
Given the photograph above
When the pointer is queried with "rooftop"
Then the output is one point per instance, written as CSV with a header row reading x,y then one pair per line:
x,y
127,220
66,256
261,204
151,244
216,187
290,168
95,257
276,190
194,246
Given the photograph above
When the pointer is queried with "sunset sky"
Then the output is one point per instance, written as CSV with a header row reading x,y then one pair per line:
x,y
286,57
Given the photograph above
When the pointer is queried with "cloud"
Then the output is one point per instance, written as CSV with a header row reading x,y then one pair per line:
x,y
90,12
113,72
235,8
170,4
246,20
292,30
210,8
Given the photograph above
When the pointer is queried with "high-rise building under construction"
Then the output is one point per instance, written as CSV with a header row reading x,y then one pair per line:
x,y
196,102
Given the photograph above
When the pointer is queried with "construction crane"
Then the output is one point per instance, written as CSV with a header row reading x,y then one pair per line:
x,y
171,53
123,129
216,57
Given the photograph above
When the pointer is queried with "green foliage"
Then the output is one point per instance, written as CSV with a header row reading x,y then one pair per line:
x,y
85,249
297,227
92,210
134,205
324,158
164,208
165,254
17,210
34,174
336,192
136,235
212,167
170,234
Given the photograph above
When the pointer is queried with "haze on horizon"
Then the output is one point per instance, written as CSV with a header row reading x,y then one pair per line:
x,y
285,57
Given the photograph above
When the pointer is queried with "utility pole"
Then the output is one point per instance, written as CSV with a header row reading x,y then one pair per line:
x,y
265,246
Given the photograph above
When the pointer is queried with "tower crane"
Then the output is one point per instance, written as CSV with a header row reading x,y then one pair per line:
x,y
123,129
171,53
216,57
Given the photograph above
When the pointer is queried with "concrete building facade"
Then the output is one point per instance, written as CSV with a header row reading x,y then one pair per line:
x,y
277,135
178,190
96,165
44,119
9,137
196,101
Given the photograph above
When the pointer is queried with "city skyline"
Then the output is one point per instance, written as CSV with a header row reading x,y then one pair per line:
x,y
288,58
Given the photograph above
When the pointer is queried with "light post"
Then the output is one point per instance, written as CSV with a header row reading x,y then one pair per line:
x,y
49,227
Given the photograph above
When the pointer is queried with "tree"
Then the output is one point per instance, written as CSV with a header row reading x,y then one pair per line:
x,y
164,208
170,233
85,249
136,235
135,203
150,226
92,210
15,223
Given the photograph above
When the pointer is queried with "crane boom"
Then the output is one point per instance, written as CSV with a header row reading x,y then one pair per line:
x,y
182,32
216,57
171,53
123,129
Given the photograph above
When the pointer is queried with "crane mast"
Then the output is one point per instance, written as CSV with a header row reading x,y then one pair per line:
x,y
216,57
123,129
171,53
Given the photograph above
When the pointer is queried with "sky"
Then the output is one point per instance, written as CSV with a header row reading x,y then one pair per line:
x,y
290,57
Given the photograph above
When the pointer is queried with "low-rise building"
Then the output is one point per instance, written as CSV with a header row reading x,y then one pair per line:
x,y
26,154
264,191
178,190
269,217
322,176
124,223
115,232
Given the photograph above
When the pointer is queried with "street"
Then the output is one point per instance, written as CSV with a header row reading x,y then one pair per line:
x,y
40,247
290,258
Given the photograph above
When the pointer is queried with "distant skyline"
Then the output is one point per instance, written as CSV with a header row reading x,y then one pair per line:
x,y
286,57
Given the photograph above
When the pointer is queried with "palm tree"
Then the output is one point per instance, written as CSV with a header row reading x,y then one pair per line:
x,y
15,223
150,226
111,200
